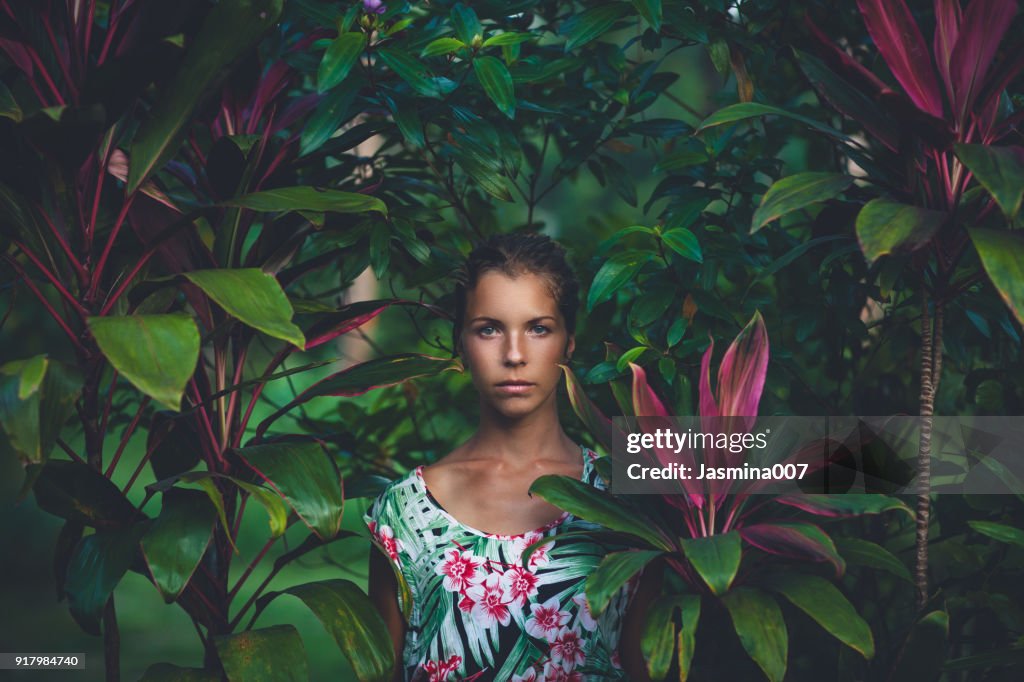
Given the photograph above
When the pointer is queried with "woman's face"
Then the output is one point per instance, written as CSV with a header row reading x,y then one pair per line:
x,y
513,339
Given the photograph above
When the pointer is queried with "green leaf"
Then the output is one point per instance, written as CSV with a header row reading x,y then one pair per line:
x,y
823,602
36,398
230,29
683,242
77,492
650,10
8,106
598,506
796,192
923,654
613,572
97,565
617,270
253,297
410,70
864,553
745,110
156,353
305,477
273,654
167,672
497,83
352,619
327,118
340,57
885,226
177,540
658,639
999,531
277,512
689,615
757,619
852,504
503,39
716,558
629,356
1000,170
442,46
680,160
580,29
466,23
1002,255
309,199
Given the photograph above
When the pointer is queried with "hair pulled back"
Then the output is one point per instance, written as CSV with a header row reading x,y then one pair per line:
x,y
514,255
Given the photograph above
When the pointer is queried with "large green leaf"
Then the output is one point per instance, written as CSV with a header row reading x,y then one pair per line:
x,y
1000,170
340,57
613,572
168,672
658,637
156,353
442,46
77,492
580,29
230,29
352,619
497,83
277,512
273,654
865,553
252,296
745,110
617,270
716,558
410,70
1002,255
923,654
597,506
176,541
325,120
757,619
97,566
683,242
466,23
37,396
885,226
309,199
999,531
853,504
303,475
795,192
823,602
689,615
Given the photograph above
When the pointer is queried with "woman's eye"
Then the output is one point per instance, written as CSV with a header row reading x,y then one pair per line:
x,y
485,331
540,329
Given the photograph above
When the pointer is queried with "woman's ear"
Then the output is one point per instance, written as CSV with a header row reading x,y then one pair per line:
x,y
570,347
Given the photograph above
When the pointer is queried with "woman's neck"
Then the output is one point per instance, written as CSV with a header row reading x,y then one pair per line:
x,y
536,436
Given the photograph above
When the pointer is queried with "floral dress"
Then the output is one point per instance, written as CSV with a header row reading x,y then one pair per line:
x,y
479,614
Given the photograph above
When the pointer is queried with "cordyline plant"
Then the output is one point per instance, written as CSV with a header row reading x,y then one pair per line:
x,y
163,251
713,533
935,157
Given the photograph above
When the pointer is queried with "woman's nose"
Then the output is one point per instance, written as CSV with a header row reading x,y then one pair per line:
x,y
514,353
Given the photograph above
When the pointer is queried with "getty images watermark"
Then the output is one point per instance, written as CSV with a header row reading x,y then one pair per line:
x,y
834,455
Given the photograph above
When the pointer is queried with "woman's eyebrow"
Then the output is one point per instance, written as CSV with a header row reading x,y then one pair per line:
x,y
494,319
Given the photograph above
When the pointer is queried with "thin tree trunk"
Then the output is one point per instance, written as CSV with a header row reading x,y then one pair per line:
x,y
931,372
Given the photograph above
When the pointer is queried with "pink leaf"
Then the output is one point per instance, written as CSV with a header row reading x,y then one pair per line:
x,y
708,404
795,540
984,25
844,64
899,39
741,376
947,25
600,426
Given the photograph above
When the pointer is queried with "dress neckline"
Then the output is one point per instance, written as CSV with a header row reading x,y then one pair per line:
x,y
554,523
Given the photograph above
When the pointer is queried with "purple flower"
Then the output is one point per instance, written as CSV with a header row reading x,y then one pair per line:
x,y
374,7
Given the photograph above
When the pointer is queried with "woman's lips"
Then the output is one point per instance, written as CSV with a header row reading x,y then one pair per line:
x,y
514,389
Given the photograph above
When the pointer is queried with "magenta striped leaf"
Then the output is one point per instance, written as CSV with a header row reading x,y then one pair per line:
x,y
600,426
795,540
984,25
947,25
837,506
741,375
899,39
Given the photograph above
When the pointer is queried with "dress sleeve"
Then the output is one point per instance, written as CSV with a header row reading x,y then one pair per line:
x,y
385,524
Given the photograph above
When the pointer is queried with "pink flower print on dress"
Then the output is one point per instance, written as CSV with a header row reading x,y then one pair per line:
x,y
546,620
567,649
489,609
459,570
519,585
440,670
614,660
554,673
385,536
529,676
586,619
539,558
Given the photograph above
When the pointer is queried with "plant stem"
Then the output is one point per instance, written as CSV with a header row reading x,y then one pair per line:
x,y
111,642
931,367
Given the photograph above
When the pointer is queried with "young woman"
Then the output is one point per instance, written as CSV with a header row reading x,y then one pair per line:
x,y
456,530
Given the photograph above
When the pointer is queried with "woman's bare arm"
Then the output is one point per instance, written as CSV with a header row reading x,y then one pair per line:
x,y
633,623
383,591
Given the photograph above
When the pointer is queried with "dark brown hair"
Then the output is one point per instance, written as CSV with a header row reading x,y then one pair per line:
x,y
514,255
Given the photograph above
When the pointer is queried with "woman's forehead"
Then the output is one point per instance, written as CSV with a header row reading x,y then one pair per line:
x,y
527,295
